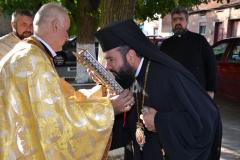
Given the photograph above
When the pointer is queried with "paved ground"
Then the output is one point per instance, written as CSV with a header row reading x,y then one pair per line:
x,y
230,112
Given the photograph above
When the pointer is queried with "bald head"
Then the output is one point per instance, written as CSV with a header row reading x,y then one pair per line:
x,y
51,23
46,14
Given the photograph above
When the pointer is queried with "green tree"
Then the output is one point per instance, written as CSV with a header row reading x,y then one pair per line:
x,y
103,11
148,8
9,6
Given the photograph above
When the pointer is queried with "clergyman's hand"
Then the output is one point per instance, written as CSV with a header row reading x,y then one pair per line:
x,y
93,76
148,116
122,102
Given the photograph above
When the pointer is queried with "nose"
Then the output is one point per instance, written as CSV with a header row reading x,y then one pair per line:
x,y
108,66
30,28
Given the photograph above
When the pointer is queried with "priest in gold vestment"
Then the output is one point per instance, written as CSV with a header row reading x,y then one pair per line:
x,y
41,116
7,42
21,23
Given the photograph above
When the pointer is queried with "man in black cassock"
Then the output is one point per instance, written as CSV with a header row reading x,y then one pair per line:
x,y
173,117
191,50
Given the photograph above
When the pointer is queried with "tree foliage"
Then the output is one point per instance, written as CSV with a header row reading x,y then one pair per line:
x,y
103,11
148,8
9,6
143,8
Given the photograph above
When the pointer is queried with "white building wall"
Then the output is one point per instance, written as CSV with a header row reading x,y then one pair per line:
x,y
154,28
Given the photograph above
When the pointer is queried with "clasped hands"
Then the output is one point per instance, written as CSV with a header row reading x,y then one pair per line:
x,y
122,102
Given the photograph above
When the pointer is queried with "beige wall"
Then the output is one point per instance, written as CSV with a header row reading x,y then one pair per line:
x,y
210,19
5,26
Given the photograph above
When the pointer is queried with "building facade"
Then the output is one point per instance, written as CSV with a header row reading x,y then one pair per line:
x,y
214,20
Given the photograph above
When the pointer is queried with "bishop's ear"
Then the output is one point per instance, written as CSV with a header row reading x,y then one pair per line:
x,y
132,57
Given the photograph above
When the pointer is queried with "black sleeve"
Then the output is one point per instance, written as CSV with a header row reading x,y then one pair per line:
x,y
210,65
163,46
188,129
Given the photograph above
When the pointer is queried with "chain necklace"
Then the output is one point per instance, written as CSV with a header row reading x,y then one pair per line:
x,y
140,136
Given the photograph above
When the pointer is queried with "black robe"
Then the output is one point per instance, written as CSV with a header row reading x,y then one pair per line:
x,y
187,121
194,52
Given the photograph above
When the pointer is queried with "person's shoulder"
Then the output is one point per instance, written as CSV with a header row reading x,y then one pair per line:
x,y
24,49
169,38
9,38
27,53
197,36
17,53
167,41
163,69
170,71
32,50
4,37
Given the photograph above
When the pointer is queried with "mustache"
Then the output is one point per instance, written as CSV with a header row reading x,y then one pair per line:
x,y
27,32
113,73
178,26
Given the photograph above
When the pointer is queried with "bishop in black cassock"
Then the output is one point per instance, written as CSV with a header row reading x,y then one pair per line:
x,y
187,122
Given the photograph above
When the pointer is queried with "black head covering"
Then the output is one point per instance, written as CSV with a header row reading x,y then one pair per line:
x,y
128,33
125,33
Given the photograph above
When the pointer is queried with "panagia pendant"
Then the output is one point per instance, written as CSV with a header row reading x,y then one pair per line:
x,y
140,137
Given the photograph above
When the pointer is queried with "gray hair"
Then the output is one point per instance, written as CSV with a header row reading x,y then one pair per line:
x,y
21,12
179,10
124,50
47,13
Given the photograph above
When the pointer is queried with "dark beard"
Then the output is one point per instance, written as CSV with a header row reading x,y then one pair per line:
x,y
179,30
24,35
125,77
